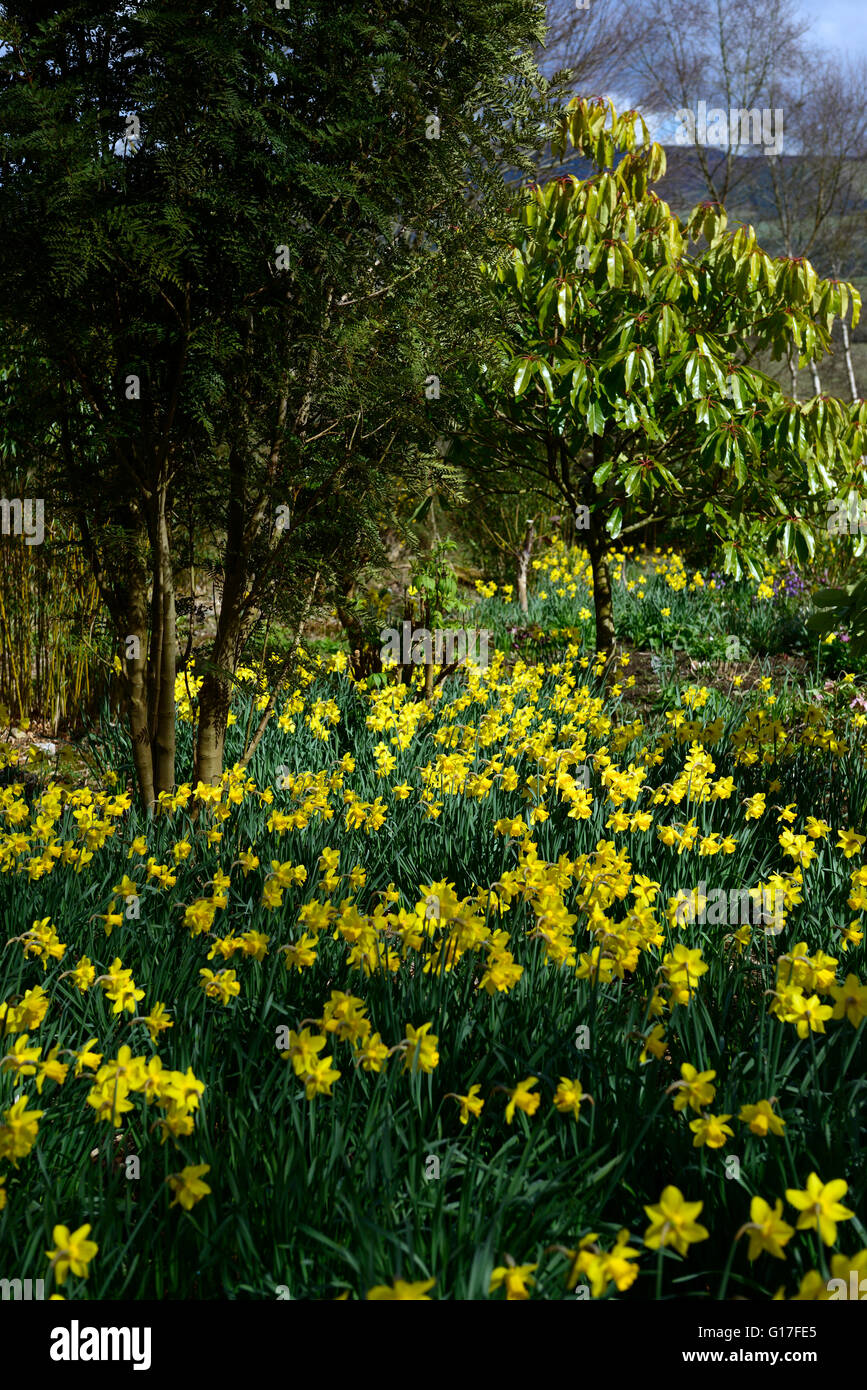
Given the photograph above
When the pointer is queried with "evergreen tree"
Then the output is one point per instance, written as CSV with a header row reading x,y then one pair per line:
x,y
241,253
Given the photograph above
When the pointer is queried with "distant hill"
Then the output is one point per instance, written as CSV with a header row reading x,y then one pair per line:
x,y
750,201
750,197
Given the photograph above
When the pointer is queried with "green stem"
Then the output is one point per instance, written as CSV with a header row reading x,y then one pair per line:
x,y
726,1272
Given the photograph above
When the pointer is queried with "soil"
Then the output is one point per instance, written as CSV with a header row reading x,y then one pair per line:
x,y
716,675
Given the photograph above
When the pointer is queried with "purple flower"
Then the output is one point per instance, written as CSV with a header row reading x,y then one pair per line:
x,y
790,584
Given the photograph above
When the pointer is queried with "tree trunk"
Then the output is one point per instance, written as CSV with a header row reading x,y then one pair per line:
x,y
124,591
523,602
814,373
164,741
602,595
847,354
428,665
211,736
136,688
214,692
597,548
137,707
792,359
524,564
157,633
364,660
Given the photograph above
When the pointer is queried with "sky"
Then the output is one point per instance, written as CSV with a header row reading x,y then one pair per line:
x,y
839,25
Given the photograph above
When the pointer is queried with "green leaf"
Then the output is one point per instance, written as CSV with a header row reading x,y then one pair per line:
x,y
805,543
664,326
595,418
603,473
564,303
523,375
821,622
632,478
731,561
826,598
630,369
545,374
579,378
786,542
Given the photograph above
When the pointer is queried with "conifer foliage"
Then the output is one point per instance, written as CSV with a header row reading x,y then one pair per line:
x,y
242,250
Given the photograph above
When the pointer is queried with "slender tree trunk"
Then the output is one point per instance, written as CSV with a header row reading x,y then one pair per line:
x,y
405,665
141,741
359,657
814,373
136,688
523,602
847,354
792,359
603,601
214,692
214,701
157,631
597,548
524,564
164,741
428,665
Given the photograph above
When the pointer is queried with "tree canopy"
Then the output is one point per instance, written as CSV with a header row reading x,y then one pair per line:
x,y
242,251
625,381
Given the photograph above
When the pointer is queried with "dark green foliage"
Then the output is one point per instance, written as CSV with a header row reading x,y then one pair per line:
x,y
244,209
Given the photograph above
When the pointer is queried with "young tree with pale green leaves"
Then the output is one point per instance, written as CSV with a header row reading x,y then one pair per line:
x,y
625,384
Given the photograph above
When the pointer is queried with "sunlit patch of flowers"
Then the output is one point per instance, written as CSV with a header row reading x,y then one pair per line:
x,y
504,912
